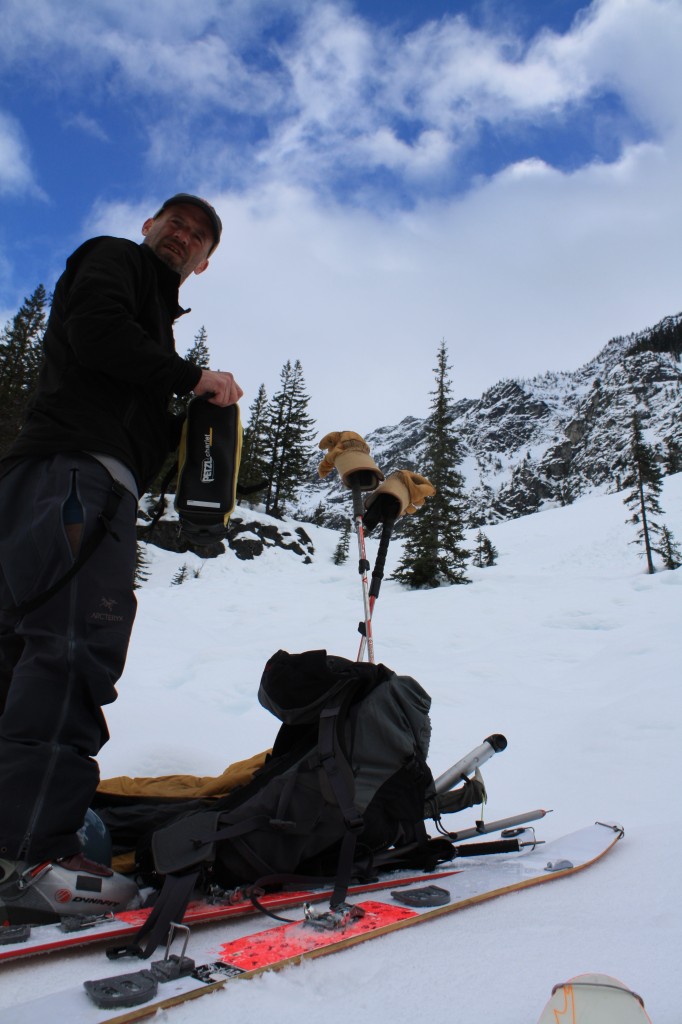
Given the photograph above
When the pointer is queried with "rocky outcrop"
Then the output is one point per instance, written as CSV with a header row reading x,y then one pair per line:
x,y
247,538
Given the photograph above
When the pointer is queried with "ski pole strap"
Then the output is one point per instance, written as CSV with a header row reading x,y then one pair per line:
x,y
102,528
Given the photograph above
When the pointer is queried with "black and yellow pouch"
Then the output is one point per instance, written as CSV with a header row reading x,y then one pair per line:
x,y
208,469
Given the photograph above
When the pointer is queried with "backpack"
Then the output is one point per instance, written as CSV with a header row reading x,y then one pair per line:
x,y
346,780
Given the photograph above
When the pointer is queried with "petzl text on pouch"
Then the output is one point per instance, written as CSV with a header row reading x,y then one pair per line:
x,y
208,468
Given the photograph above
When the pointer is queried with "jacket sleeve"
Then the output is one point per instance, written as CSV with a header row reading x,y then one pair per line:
x,y
110,287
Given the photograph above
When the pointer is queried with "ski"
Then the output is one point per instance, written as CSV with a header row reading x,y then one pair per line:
x,y
72,933
131,996
20,941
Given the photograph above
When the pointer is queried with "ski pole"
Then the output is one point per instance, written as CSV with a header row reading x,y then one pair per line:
x,y
479,755
348,453
365,628
377,575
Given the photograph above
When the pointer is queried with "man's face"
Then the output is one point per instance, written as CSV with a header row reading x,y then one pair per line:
x,y
182,237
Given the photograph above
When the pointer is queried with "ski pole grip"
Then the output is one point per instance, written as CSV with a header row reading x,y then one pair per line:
x,y
479,755
380,560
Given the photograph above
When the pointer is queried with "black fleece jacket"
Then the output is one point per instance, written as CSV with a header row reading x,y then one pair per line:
x,y
109,361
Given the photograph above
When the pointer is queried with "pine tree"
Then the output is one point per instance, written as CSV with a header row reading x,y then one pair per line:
x,y
180,576
198,352
20,354
669,549
253,466
486,553
318,517
142,566
343,546
433,553
672,460
290,432
644,476
199,355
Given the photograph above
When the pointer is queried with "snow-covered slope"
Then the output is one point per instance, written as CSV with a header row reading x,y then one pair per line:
x,y
566,646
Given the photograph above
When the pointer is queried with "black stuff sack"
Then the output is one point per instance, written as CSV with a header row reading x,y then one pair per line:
x,y
208,468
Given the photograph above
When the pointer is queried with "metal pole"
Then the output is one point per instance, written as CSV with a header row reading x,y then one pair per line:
x,y
478,756
365,627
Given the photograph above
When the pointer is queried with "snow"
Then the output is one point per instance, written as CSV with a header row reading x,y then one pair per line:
x,y
566,646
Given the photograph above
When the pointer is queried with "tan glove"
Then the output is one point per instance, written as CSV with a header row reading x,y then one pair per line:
x,y
400,494
348,453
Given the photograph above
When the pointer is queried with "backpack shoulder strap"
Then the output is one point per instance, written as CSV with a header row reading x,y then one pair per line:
x,y
339,772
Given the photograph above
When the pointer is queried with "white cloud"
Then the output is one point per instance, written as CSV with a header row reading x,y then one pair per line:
x,y
430,152
359,93
87,125
337,90
534,270
16,176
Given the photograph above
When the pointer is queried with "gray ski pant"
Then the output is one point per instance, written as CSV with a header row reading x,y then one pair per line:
x,y
59,662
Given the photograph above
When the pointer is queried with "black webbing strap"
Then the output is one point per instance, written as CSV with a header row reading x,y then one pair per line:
x,y
169,908
102,528
340,776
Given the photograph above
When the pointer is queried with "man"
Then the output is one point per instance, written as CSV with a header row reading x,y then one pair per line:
x,y
97,432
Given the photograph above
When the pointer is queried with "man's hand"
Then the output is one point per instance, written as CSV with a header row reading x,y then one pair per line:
x,y
219,387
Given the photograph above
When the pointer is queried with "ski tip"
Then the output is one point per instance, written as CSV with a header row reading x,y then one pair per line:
x,y
615,826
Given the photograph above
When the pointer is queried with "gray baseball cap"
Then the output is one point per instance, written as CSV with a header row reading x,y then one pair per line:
x,y
203,204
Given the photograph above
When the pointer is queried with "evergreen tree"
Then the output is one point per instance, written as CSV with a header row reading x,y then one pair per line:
x,y
198,352
669,549
180,576
343,546
433,553
318,517
253,466
486,553
672,460
141,566
644,476
290,432
20,354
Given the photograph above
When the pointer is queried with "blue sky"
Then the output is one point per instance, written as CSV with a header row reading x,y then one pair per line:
x,y
503,175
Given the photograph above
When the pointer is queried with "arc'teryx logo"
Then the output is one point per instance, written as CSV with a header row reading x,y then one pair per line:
x,y
106,611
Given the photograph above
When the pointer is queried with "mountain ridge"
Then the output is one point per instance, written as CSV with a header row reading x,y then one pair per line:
x,y
540,442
